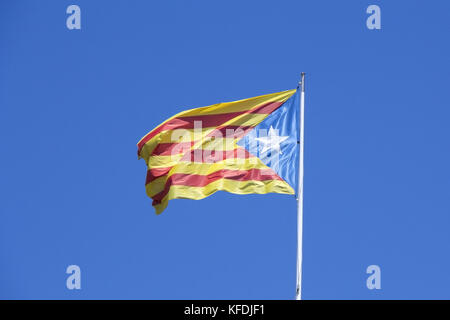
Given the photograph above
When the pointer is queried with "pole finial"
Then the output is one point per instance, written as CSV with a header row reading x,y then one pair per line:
x,y
302,78
302,81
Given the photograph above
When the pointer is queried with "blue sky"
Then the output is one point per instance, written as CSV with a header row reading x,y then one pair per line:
x,y
74,103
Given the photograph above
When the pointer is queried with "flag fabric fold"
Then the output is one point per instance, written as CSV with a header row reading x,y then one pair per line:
x,y
246,146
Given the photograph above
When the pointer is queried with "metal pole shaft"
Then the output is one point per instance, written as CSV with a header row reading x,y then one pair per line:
x,y
298,295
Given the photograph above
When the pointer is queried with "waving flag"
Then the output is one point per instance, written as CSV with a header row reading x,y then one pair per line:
x,y
245,146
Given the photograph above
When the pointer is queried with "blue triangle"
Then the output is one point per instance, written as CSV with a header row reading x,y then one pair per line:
x,y
283,123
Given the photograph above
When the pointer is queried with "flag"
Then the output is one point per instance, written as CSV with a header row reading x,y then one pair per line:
x,y
246,146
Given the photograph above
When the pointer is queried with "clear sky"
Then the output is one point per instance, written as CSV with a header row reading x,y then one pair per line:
x,y
74,103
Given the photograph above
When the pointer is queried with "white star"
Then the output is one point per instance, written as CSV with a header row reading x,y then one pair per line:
x,y
272,141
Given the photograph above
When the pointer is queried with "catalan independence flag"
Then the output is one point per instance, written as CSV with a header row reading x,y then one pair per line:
x,y
245,146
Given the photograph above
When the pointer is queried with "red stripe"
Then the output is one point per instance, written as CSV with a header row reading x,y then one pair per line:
x,y
167,149
195,180
209,120
154,173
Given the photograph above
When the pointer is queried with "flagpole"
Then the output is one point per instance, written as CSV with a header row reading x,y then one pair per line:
x,y
298,295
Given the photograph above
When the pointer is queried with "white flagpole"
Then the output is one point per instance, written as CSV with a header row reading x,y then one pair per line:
x,y
298,295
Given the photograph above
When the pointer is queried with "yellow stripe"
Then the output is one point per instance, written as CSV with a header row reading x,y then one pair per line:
x,y
164,161
239,105
218,144
246,120
157,185
236,106
237,187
